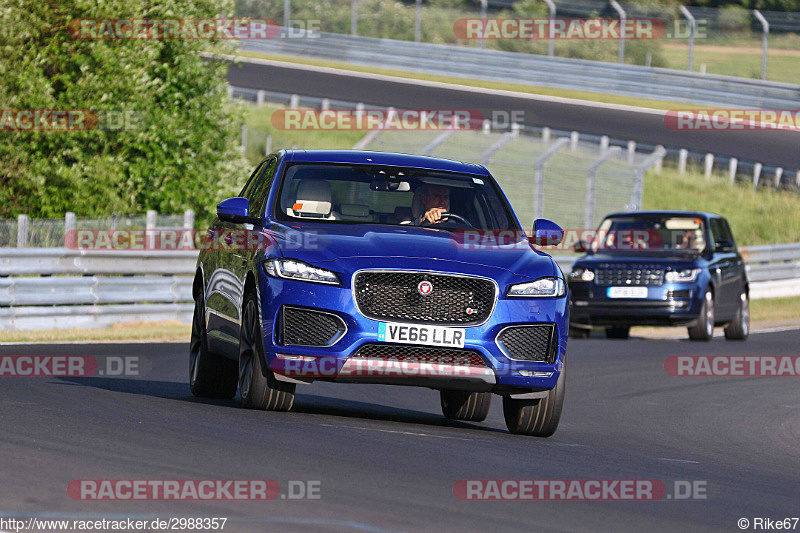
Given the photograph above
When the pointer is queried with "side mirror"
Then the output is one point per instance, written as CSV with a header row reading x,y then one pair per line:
x,y
546,233
236,210
724,246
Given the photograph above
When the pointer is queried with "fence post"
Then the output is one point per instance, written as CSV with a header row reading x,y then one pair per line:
x,y
286,8
764,42
551,30
621,13
484,6
418,22
69,230
546,134
603,144
294,101
631,152
538,175
591,178
692,29
150,220
260,97
188,219
487,126
573,140
778,176
756,174
659,162
22,231
354,18
637,196
709,165
732,165
797,179
683,154
325,105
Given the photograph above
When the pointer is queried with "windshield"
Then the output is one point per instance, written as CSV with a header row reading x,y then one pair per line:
x,y
651,234
360,194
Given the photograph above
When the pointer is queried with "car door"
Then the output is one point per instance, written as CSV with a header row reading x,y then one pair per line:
x,y
223,287
739,273
724,270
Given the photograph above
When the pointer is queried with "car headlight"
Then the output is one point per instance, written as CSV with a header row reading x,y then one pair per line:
x,y
581,274
541,288
294,269
682,275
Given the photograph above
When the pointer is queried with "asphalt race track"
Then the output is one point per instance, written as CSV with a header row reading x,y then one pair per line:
x,y
386,459
770,147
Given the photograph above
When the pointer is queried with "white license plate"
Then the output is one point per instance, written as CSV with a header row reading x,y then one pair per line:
x,y
627,292
421,334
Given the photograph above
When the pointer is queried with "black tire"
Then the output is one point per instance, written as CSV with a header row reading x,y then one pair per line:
x,y
739,328
467,406
579,333
703,330
619,332
210,375
258,391
538,418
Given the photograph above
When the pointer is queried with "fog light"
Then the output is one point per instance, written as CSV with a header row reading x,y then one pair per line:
x,y
535,374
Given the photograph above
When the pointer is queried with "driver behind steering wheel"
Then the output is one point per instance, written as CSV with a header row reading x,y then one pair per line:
x,y
435,200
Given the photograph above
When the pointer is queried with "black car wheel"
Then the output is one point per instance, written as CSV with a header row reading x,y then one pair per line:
x,y
210,375
467,406
258,391
739,328
540,417
703,330
619,332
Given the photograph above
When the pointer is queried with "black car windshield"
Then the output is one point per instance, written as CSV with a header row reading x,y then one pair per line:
x,y
361,194
674,234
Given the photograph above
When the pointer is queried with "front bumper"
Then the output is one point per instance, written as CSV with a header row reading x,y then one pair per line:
x,y
339,362
669,304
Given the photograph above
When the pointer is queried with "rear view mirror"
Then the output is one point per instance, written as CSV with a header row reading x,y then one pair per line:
x,y
387,185
724,245
236,210
546,233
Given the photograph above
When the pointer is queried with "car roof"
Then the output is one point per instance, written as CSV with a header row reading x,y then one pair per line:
x,y
666,212
384,158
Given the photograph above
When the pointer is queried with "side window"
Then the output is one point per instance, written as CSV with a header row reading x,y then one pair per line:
x,y
726,231
258,198
251,182
717,232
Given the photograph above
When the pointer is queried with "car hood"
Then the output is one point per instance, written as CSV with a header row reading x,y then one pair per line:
x,y
385,246
663,260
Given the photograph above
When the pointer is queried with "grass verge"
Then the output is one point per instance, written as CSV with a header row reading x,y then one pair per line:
x,y
140,331
757,217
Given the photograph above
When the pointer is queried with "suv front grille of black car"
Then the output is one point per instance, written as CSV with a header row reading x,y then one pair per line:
x,y
451,300
421,354
529,343
633,275
307,327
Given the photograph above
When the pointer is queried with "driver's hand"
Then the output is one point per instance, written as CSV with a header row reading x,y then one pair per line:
x,y
434,215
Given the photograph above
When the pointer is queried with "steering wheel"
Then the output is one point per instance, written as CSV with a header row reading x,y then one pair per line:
x,y
446,214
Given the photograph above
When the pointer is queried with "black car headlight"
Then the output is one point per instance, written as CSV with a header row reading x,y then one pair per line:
x,y
683,275
298,270
541,288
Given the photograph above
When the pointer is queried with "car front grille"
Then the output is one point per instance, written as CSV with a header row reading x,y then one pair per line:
x,y
307,327
421,354
453,300
529,343
630,275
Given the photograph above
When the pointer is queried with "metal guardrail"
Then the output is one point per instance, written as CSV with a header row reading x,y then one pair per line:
x,y
151,286
511,67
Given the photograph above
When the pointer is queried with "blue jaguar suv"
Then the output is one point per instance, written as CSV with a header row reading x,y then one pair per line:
x,y
369,267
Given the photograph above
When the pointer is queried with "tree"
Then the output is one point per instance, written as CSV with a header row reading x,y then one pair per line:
x,y
177,147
